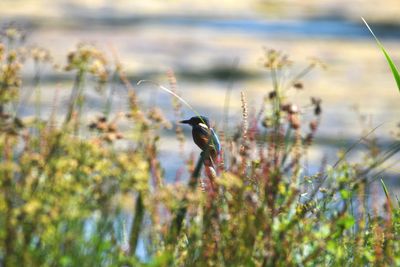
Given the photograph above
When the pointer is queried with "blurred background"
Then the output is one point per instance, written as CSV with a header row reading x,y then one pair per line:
x,y
215,45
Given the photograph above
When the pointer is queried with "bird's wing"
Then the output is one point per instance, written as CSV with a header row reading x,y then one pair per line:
x,y
215,141
201,131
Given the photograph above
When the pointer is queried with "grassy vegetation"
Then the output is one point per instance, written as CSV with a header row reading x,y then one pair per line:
x,y
69,200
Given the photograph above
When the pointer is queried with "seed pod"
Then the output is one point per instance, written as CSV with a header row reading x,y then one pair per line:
x,y
92,126
266,123
112,128
316,102
317,110
294,121
298,85
308,139
313,125
119,135
102,119
101,126
290,108
272,95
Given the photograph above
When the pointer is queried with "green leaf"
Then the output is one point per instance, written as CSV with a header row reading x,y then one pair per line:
x,y
392,66
331,246
347,221
164,259
345,194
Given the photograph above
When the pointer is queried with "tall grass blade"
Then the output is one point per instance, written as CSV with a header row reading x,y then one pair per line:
x,y
392,66
389,201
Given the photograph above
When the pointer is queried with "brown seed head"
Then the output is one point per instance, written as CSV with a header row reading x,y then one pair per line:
x,y
313,125
298,85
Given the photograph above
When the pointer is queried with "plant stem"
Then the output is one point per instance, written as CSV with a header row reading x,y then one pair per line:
x,y
36,82
75,95
108,104
137,223
176,224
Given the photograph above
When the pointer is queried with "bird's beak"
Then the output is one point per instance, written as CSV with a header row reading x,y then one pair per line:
x,y
185,121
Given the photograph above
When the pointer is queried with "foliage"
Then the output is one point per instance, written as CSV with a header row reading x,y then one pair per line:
x,y
73,199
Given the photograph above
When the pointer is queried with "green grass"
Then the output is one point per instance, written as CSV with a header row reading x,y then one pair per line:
x,y
93,193
391,64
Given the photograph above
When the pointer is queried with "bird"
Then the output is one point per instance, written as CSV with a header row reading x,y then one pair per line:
x,y
205,137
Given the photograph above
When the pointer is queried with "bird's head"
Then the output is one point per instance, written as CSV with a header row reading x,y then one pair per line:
x,y
198,120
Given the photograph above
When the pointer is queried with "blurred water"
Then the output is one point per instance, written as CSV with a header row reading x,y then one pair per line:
x,y
319,28
201,51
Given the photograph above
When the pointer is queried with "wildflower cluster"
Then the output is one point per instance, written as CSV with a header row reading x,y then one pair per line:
x,y
88,58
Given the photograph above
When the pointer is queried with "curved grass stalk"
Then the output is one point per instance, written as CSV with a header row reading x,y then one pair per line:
x,y
392,66
170,92
178,97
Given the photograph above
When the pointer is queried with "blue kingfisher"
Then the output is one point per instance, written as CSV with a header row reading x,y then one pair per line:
x,y
205,137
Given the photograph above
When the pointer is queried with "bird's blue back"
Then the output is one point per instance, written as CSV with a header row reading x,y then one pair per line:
x,y
215,141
